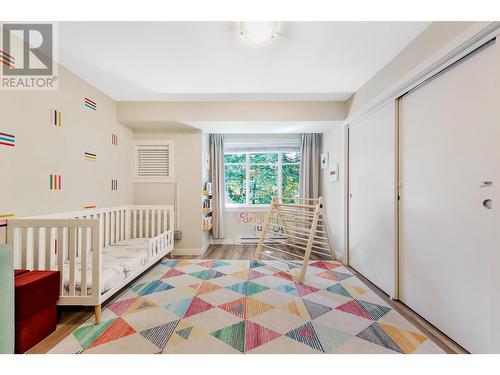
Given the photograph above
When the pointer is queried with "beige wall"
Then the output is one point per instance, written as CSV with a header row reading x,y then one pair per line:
x,y
154,112
43,149
188,175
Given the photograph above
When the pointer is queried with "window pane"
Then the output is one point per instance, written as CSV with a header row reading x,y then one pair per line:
x,y
235,184
263,183
234,158
264,157
291,180
291,157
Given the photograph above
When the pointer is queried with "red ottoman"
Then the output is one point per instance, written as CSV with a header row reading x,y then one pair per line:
x,y
36,295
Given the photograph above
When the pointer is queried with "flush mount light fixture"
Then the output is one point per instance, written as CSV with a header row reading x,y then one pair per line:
x,y
258,32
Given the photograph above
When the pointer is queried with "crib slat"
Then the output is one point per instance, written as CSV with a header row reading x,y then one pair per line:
x,y
36,235
140,223
96,263
101,229
72,233
116,228
41,248
112,224
118,225
29,249
107,219
134,224
16,234
48,248
60,255
85,248
79,243
104,229
52,249
147,222
126,224
158,227
122,224
165,220
153,223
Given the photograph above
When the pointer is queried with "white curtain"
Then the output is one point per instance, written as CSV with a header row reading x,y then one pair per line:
x,y
218,187
310,165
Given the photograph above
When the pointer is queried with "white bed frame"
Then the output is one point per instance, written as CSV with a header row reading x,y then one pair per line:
x,y
80,237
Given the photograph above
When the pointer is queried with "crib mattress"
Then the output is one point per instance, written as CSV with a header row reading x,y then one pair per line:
x,y
118,261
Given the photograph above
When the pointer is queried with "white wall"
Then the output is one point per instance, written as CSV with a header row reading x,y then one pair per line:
x,y
334,192
43,149
372,192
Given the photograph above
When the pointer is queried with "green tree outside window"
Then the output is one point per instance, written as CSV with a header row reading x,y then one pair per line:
x,y
255,178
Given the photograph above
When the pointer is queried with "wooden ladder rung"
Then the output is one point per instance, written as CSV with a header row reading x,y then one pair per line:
x,y
309,239
281,260
283,251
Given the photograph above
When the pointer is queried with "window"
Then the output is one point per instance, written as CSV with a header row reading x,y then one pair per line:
x,y
253,178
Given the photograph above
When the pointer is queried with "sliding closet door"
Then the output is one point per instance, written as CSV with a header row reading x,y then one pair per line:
x,y
372,197
449,209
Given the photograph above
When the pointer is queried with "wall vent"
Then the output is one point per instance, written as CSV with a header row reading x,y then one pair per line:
x,y
154,161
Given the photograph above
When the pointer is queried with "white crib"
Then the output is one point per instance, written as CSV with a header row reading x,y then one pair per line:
x,y
97,251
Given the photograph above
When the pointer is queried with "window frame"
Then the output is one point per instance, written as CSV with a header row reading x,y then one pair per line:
x,y
247,164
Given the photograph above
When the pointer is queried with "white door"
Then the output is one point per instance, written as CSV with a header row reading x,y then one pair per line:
x,y
372,197
449,133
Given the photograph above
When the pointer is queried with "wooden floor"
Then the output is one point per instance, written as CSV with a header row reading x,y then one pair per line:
x,y
71,318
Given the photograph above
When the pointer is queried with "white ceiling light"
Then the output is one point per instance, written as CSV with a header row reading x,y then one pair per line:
x,y
258,32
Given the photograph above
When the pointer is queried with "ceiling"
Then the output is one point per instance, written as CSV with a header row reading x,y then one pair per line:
x,y
204,61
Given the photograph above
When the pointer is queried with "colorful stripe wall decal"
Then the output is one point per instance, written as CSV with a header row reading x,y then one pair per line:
x,y
7,140
114,185
55,182
55,117
90,206
114,139
90,104
7,59
90,156
3,219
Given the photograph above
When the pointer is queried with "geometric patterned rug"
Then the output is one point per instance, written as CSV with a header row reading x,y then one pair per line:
x,y
237,306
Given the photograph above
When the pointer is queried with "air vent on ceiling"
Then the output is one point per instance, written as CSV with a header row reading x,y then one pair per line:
x,y
154,161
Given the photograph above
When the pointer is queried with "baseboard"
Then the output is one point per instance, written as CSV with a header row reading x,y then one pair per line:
x,y
237,241
225,241
193,252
